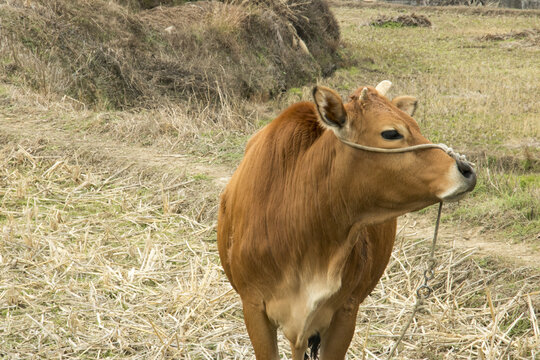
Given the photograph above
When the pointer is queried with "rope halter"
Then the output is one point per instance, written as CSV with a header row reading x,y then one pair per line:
x,y
447,149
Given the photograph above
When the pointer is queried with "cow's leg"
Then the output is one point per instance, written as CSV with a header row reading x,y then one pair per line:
x,y
261,331
298,352
336,339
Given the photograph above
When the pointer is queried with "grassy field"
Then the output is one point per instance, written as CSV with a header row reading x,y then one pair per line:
x,y
108,218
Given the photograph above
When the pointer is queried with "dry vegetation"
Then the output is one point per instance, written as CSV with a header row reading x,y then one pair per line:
x,y
528,37
108,250
402,20
130,56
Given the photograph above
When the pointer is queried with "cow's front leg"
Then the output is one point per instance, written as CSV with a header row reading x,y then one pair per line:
x,y
261,331
337,338
298,352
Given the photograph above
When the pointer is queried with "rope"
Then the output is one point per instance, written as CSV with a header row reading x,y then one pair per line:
x,y
447,149
424,291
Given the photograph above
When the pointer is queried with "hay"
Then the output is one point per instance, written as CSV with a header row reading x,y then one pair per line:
x,y
125,57
412,20
529,37
96,264
149,4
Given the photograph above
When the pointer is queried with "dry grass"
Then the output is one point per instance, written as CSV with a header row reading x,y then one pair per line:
x,y
471,314
528,37
127,57
94,266
402,20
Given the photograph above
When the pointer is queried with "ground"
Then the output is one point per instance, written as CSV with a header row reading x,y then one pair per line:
x,y
108,217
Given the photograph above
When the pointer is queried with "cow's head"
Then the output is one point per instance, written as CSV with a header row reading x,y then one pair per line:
x,y
388,183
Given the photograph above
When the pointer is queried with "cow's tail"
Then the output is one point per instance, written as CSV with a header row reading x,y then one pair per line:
x,y
314,342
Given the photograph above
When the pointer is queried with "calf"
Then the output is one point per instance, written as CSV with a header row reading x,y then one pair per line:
x,y
307,222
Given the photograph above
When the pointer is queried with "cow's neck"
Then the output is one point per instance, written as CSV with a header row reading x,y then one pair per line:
x,y
326,212
335,197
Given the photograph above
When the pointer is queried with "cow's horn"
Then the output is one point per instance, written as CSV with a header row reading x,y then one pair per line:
x,y
383,87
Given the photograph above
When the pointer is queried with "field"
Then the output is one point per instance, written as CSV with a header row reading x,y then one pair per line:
x,y
108,217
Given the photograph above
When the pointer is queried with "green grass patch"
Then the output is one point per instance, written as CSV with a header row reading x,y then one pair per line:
x,y
506,202
389,24
201,177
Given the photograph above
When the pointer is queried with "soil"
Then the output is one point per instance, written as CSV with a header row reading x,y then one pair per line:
x,y
470,237
109,155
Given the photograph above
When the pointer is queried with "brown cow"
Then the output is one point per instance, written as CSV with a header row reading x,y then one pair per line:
x,y
307,223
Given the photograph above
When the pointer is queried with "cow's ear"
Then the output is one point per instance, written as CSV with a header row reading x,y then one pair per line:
x,y
406,104
330,107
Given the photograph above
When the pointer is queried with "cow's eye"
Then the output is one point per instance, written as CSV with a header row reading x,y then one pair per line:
x,y
391,135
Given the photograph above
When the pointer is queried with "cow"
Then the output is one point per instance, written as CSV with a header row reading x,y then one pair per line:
x,y
307,223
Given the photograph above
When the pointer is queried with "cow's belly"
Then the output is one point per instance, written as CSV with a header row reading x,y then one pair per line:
x,y
303,310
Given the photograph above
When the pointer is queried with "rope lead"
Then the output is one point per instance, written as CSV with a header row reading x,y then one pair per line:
x,y
424,291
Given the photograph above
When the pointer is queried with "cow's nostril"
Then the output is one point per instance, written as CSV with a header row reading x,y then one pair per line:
x,y
465,169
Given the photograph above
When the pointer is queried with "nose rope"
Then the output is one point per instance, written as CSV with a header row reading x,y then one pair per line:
x,y
447,149
425,290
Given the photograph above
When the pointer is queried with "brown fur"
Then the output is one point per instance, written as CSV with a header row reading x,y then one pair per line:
x,y
307,224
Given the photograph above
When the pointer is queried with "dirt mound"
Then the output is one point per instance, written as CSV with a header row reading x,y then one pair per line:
x,y
313,23
529,37
413,20
457,3
149,4
115,55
